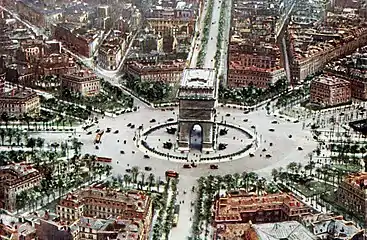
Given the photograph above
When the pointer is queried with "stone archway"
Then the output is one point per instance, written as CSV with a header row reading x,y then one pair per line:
x,y
197,101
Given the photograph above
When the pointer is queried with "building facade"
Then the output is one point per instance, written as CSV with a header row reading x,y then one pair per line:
x,y
19,101
167,71
111,51
328,90
104,204
78,39
84,82
16,178
351,194
242,208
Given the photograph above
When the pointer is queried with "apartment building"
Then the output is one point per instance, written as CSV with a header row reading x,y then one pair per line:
x,y
20,101
328,90
16,178
84,82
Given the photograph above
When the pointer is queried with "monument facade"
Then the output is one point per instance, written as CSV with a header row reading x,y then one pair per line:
x,y
197,101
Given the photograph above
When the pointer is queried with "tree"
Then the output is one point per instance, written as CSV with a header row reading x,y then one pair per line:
x,y
40,142
10,134
275,174
127,179
5,118
18,138
142,175
31,143
2,135
134,173
150,181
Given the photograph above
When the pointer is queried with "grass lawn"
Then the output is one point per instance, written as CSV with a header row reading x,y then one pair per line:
x,y
313,188
349,168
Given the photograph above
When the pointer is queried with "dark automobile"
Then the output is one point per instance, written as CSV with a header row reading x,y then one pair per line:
x,y
290,136
146,156
186,166
274,122
147,168
300,148
193,165
98,130
213,166
170,119
97,147
252,155
228,115
271,130
268,156
116,131
108,130
122,152
245,120
132,126
128,170
128,125
152,120
89,133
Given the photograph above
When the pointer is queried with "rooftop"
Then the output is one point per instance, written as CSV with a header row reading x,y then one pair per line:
x,y
18,94
283,230
331,80
199,78
230,207
337,228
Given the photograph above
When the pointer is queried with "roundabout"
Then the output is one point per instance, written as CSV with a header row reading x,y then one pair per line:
x,y
277,143
231,143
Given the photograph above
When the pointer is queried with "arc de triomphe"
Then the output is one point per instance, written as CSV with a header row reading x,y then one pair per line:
x,y
197,101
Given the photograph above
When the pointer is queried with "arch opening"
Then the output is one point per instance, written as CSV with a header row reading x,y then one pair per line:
x,y
196,137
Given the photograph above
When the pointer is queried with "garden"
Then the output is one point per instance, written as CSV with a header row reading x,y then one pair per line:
x,y
251,95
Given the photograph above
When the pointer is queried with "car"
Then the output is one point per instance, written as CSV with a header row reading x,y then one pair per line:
x,y
146,156
295,121
108,130
116,132
140,127
300,148
122,152
245,120
268,156
271,130
97,131
270,144
193,165
97,147
128,170
147,168
89,133
290,136
128,125
228,115
264,149
132,126
152,120
186,166
252,155
274,122
213,166
246,112
170,119
253,126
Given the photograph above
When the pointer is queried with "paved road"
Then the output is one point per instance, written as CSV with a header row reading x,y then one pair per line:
x,y
211,47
